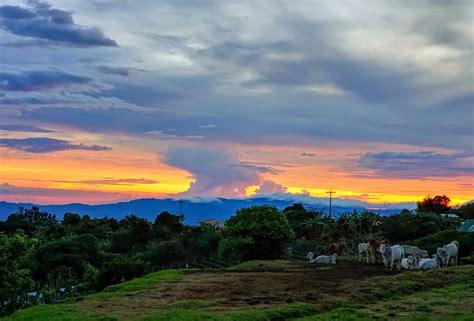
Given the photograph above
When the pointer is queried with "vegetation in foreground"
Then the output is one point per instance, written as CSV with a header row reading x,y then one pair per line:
x,y
413,295
43,260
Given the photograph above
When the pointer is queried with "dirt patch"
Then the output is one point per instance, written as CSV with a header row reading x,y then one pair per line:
x,y
274,285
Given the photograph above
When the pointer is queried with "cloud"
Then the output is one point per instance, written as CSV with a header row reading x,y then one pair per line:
x,y
116,181
43,22
24,128
307,154
416,165
269,187
46,145
39,80
215,172
41,195
120,71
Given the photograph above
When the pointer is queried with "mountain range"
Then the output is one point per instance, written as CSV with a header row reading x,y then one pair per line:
x,y
198,209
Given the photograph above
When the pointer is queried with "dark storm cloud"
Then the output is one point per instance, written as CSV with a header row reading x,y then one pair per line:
x,y
416,165
39,80
41,21
46,145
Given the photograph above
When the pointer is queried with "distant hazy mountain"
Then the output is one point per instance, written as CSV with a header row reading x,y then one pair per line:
x,y
196,210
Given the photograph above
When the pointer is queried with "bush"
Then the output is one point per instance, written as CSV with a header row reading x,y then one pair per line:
x,y
432,242
158,253
259,232
407,226
120,268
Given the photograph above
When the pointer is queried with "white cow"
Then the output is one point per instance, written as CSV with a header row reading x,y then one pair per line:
x,y
428,264
325,259
310,256
361,250
414,250
391,255
409,262
448,253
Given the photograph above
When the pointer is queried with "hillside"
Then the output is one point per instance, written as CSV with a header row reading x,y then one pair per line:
x,y
276,290
197,210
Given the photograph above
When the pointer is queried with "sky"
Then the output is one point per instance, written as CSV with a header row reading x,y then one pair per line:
x,y
108,100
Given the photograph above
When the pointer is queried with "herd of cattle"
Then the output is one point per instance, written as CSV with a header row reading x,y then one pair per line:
x,y
401,256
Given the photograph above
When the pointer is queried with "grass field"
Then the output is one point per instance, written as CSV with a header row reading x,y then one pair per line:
x,y
276,290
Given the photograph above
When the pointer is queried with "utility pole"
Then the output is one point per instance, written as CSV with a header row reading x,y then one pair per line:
x,y
330,192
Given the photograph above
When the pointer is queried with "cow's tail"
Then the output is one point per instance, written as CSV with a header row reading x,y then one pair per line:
x,y
456,243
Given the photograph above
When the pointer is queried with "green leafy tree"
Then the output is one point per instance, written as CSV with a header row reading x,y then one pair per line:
x,y
465,212
63,262
209,238
120,268
174,223
438,204
297,215
259,232
15,280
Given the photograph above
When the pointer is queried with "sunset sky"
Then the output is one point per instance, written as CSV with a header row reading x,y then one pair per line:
x,y
107,100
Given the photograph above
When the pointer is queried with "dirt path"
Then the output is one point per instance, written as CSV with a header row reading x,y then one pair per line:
x,y
260,287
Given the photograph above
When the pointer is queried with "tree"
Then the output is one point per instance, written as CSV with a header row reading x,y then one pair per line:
x,y
465,212
63,262
15,281
297,215
172,222
259,232
438,204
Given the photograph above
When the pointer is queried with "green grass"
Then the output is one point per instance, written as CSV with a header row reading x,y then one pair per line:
x,y
249,265
274,314
140,284
50,312
453,302
193,304
414,296
69,312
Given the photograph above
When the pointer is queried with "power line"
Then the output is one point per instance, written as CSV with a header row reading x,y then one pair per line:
x,y
330,192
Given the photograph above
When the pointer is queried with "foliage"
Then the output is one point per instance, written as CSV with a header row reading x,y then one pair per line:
x,y
438,204
38,253
120,268
174,223
465,212
433,241
15,279
65,260
259,232
408,226
297,215
158,253
209,238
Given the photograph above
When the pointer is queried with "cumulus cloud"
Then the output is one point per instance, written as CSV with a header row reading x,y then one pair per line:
x,y
46,145
269,187
215,172
41,21
416,165
39,80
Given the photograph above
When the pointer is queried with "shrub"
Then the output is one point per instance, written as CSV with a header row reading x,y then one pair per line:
x,y
120,268
259,232
431,242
